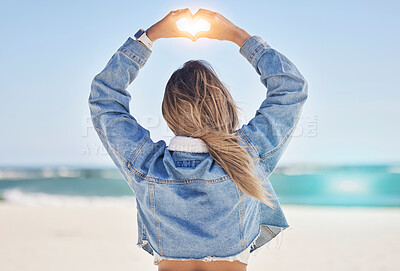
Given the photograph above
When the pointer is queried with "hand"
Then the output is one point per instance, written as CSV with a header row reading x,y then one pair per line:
x,y
167,28
220,28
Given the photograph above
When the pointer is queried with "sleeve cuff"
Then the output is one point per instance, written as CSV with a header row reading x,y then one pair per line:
x,y
136,50
251,49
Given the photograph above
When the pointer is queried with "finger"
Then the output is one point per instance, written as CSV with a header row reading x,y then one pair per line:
x,y
176,11
185,10
203,14
185,34
181,13
200,34
205,11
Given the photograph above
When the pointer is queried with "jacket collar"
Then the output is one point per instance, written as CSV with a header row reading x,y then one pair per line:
x,y
187,144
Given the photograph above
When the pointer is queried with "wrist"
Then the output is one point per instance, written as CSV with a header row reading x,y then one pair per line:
x,y
152,34
240,36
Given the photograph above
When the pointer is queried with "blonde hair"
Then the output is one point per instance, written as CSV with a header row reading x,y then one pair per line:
x,y
197,104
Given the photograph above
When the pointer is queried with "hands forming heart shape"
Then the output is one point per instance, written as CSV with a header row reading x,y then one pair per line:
x,y
203,24
192,26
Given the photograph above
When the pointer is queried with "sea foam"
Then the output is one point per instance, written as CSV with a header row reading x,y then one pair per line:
x,y
17,196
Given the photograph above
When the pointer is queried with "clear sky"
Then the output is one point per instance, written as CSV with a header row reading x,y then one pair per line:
x,y
347,50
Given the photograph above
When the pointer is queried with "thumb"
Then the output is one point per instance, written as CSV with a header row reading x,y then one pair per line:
x,y
186,34
200,34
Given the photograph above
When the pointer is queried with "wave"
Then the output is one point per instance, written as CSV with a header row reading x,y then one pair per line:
x,y
17,196
295,170
394,170
59,172
112,173
328,169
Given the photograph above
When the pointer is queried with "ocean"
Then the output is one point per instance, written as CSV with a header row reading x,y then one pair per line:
x,y
362,185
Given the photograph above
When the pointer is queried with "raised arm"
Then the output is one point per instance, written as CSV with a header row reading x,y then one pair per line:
x,y
270,130
120,133
109,99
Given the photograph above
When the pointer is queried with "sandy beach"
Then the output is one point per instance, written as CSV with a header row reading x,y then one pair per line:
x,y
104,238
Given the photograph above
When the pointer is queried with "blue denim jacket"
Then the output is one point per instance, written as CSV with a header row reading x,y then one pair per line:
x,y
187,206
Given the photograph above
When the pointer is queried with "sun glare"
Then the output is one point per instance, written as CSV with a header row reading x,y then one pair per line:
x,y
185,25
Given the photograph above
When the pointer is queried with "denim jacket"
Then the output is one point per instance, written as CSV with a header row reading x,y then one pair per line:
x,y
187,205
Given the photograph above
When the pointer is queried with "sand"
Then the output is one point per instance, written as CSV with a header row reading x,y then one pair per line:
x,y
104,238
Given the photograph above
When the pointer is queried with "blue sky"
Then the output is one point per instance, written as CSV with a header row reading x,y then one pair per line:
x,y
347,50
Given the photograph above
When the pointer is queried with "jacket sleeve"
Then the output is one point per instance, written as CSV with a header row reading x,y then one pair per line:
x,y
270,130
120,133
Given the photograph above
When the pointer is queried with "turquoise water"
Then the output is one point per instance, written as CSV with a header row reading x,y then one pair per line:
x,y
346,186
339,186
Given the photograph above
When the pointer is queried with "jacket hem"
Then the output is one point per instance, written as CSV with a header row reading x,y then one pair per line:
x,y
265,234
242,257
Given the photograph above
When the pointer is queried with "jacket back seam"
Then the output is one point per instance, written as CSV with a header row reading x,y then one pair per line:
x,y
160,180
137,151
152,204
241,219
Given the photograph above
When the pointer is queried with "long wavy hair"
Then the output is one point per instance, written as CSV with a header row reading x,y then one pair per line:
x,y
197,104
